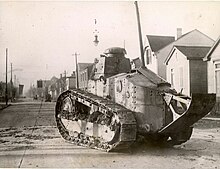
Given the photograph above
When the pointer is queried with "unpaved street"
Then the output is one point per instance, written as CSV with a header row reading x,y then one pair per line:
x,y
30,139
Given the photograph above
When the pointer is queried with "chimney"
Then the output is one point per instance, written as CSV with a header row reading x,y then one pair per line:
x,y
61,76
179,33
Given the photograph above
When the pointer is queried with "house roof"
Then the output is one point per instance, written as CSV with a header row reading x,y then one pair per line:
x,y
83,66
208,56
186,41
192,38
158,42
191,52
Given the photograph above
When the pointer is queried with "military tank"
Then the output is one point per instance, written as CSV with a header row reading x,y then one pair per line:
x,y
120,105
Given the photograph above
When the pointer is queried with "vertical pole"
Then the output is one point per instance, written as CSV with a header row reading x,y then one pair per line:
x,y
65,86
15,80
11,85
140,34
6,78
77,73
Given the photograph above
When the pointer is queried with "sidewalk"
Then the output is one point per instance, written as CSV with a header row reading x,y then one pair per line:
x,y
3,106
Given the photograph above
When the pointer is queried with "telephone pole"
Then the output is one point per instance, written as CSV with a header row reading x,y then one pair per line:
x,y
6,79
77,76
11,85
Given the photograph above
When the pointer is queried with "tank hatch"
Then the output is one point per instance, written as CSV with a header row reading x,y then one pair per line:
x,y
115,51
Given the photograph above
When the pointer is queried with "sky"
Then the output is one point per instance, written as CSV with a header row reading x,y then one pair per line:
x,y
42,36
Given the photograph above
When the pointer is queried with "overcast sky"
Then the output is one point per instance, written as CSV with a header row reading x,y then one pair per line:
x,y
42,36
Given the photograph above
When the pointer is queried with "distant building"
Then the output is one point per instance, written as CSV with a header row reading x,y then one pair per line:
x,y
20,90
84,71
2,91
71,81
52,88
42,88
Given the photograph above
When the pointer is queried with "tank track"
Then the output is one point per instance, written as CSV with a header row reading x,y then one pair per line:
x,y
86,108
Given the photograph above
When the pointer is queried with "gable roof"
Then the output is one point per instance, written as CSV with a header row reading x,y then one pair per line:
x,y
207,57
158,42
191,52
192,38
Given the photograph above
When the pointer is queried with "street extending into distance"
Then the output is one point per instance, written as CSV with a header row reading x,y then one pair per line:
x,y
29,139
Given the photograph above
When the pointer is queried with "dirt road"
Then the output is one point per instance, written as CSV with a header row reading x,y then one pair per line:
x,y
30,139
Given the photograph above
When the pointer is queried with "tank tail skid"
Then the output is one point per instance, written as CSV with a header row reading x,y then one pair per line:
x,y
195,108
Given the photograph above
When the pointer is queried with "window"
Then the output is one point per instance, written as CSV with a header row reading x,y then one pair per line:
x,y
149,56
85,76
217,66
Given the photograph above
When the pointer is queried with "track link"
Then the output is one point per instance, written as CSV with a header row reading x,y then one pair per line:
x,y
102,123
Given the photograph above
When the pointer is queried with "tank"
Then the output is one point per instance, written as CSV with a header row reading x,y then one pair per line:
x,y
121,105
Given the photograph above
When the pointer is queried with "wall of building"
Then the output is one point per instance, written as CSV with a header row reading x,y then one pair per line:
x,y
211,77
152,61
214,76
83,79
70,83
161,57
178,67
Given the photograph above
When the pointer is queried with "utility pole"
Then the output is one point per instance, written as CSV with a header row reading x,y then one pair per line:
x,y
65,84
11,85
140,34
6,78
15,80
77,73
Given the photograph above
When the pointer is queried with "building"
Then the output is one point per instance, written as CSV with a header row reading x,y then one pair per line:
x,y
71,81
52,88
42,88
213,67
153,44
186,70
193,38
84,71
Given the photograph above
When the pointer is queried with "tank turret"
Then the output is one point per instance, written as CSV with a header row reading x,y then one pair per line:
x,y
112,62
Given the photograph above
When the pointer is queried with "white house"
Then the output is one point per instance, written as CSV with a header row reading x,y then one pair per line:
x,y
186,70
192,38
213,68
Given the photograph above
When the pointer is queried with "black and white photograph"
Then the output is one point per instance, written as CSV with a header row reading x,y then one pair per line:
x,y
110,84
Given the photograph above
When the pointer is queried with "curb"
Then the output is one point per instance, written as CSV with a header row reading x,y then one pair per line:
x,y
5,106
